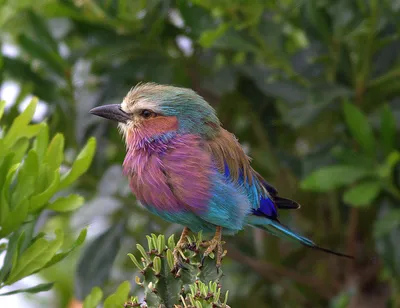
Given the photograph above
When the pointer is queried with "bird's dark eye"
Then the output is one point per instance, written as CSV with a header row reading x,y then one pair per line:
x,y
147,114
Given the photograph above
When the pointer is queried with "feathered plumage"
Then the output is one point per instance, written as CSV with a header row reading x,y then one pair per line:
x,y
183,166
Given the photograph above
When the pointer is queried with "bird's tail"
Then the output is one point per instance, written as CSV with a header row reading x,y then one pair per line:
x,y
274,227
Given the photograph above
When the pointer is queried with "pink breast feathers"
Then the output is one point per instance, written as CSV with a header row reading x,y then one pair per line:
x,y
178,178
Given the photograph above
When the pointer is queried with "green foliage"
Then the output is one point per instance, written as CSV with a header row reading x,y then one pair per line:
x,y
362,194
367,179
29,181
331,177
359,127
118,298
194,286
36,289
80,165
96,261
93,299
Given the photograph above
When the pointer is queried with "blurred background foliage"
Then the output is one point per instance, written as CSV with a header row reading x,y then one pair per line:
x,y
310,88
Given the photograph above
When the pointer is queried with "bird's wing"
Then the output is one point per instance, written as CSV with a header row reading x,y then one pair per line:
x,y
229,156
281,203
235,165
196,187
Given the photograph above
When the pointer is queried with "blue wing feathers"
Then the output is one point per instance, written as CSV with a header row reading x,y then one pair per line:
x,y
266,208
265,201
262,204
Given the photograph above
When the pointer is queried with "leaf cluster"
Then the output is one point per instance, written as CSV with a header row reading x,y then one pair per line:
x,y
31,180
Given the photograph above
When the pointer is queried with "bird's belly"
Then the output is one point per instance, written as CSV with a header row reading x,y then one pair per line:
x,y
185,218
178,180
153,191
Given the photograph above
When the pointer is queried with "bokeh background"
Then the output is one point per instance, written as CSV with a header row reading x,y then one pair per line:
x,y
310,88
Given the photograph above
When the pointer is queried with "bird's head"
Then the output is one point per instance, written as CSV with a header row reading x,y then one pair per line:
x,y
151,110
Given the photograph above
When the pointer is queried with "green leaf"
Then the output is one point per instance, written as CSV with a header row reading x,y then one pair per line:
x,y
5,166
65,204
54,154
388,129
195,17
62,255
37,201
208,38
135,261
315,16
80,165
118,299
93,299
41,142
30,131
19,149
233,40
27,174
12,250
4,213
17,244
35,257
4,195
387,223
14,209
359,127
41,30
53,60
225,37
97,260
28,228
331,177
362,194
44,179
386,169
15,218
58,9
36,289
19,125
341,300
2,107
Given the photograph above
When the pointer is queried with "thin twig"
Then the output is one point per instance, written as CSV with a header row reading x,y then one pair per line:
x,y
352,238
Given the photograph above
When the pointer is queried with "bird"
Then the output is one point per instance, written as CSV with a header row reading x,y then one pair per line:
x,y
184,167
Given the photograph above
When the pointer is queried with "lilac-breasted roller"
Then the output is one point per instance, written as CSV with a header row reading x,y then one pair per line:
x,y
184,167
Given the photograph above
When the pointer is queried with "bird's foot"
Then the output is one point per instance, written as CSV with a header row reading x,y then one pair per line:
x,y
178,254
215,245
178,257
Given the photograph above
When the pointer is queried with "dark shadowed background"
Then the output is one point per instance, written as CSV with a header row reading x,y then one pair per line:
x,y
310,88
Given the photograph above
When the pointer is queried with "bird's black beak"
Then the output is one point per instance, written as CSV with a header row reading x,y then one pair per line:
x,y
111,112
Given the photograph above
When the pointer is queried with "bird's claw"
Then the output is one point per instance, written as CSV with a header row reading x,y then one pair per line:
x,y
178,254
214,245
178,267
179,258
